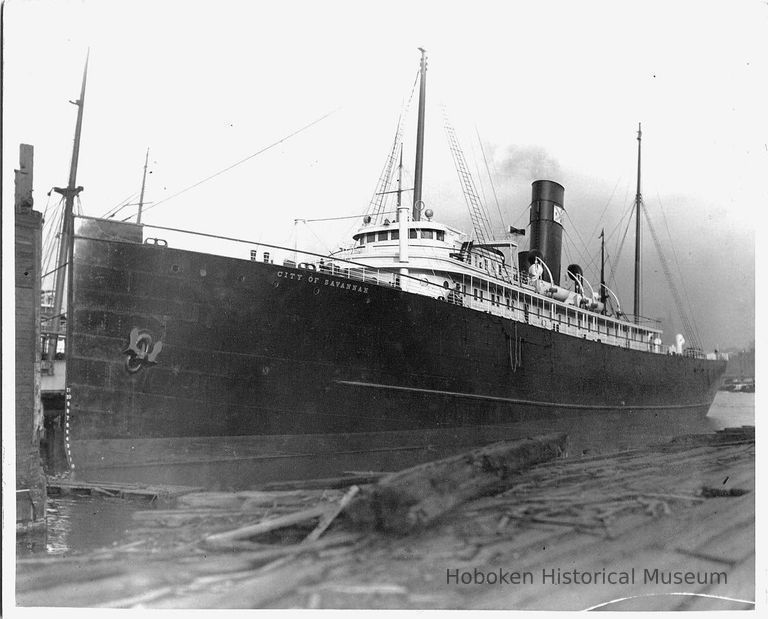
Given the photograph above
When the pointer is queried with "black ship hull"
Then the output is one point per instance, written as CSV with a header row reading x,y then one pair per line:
x,y
192,368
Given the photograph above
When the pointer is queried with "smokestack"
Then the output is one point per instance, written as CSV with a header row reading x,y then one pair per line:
x,y
547,214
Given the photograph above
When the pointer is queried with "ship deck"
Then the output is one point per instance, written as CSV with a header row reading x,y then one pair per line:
x,y
686,506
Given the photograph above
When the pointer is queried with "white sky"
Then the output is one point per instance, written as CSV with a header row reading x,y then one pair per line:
x,y
555,89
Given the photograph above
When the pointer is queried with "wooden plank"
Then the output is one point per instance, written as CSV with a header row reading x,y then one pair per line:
x,y
417,496
323,483
123,490
220,540
326,521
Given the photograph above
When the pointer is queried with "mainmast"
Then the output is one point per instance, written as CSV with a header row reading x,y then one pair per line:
x,y
603,296
70,192
143,184
638,203
400,180
417,202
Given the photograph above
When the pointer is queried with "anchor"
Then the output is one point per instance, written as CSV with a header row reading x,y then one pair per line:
x,y
141,350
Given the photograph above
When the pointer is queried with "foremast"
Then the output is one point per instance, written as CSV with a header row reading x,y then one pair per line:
x,y
70,192
417,176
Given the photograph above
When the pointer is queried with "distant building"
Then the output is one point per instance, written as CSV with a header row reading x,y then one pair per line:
x,y
741,364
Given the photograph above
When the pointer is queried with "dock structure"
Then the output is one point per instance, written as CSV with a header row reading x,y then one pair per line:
x,y
30,480
667,527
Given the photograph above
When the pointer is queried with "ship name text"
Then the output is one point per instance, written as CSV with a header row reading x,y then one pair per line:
x,y
318,280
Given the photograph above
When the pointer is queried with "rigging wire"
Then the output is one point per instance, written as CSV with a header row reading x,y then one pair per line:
x,y
688,327
49,226
605,208
323,243
477,171
627,212
119,206
249,157
380,195
577,252
581,239
490,178
47,204
524,210
621,247
677,262
53,238
358,216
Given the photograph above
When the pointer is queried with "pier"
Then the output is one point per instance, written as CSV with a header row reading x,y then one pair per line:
x,y
665,527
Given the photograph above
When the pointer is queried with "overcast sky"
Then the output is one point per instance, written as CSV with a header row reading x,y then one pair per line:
x,y
553,89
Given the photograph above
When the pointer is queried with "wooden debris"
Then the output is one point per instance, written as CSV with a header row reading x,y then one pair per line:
x,y
331,516
554,513
121,490
709,492
323,483
417,496
220,540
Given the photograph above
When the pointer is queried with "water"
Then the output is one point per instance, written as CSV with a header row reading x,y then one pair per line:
x,y
732,409
80,523
86,523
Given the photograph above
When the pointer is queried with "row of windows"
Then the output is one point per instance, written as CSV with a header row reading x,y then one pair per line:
x,y
502,296
394,235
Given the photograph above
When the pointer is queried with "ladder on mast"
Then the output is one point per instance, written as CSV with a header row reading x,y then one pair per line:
x,y
480,222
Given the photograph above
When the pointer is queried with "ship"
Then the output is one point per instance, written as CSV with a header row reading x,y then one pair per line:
x,y
415,342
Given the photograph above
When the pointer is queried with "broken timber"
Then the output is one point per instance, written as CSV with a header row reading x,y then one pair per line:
x,y
119,490
414,497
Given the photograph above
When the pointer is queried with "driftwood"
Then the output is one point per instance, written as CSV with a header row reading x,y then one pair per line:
x,y
331,516
323,483
415,497
218,540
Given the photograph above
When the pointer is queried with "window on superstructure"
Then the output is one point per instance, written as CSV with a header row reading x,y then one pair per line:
x,y
382,236
395,235
427,234
481,294
370,237
361,240
412,234
440,235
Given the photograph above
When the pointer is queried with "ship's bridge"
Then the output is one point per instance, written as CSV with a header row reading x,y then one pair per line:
x,y
435,250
